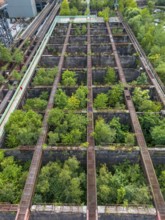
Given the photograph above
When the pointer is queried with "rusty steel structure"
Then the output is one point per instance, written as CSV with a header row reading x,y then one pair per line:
x,y
146,159
91,163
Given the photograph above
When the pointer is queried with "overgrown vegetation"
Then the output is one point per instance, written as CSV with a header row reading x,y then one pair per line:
x,y
73,7
12,179
112,132
8,56
142,101
77,100
160,171
61,183
110,77
141,80
123,184
113,99
37,104
153,126
151,37
66,128
45,76
68,78
22,128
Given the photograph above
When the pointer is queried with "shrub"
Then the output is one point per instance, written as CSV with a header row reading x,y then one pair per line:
x,y
69,78
110,77
22,128
101,100
45,76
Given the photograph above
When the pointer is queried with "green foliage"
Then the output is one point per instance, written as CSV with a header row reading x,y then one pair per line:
x,y
61,183
22,128
114,132
125,184
110,77
99,5
61,99
153,128
16,75
115,95
103,134
101,100
70,127
18,56
12,179
45,76
68,78
65,10
35,104
105,13
78,99
161,178
141,80
5,54
2,79
142,101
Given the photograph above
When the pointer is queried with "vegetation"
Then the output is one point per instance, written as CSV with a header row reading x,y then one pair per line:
x,y
141,80
99,5
45,76
151,37
112,132
69,78
18,56
160,171
113,99
36,104
5,54
142,101
110,77
16,75
78,99
2,79
66,128
22,128
61,183
153,128
12,179
124,184
105,13
65,10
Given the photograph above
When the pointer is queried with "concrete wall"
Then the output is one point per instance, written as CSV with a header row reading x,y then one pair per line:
x,y
21,8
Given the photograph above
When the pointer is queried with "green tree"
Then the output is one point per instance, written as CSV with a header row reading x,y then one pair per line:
x,y
35,104
12,179
18,56
16,75
158,134
45,76
5,54
103,133
110,77
115,95
2,79
65,10
61,99
68,78
61,183
101,100
81,95
22,128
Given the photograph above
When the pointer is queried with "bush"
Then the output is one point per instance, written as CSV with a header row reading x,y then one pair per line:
x,y
35,104
16,75
101,100
110,77
45,76
70,127
69,78
2,79
13,177
22,128
124,184
61,183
